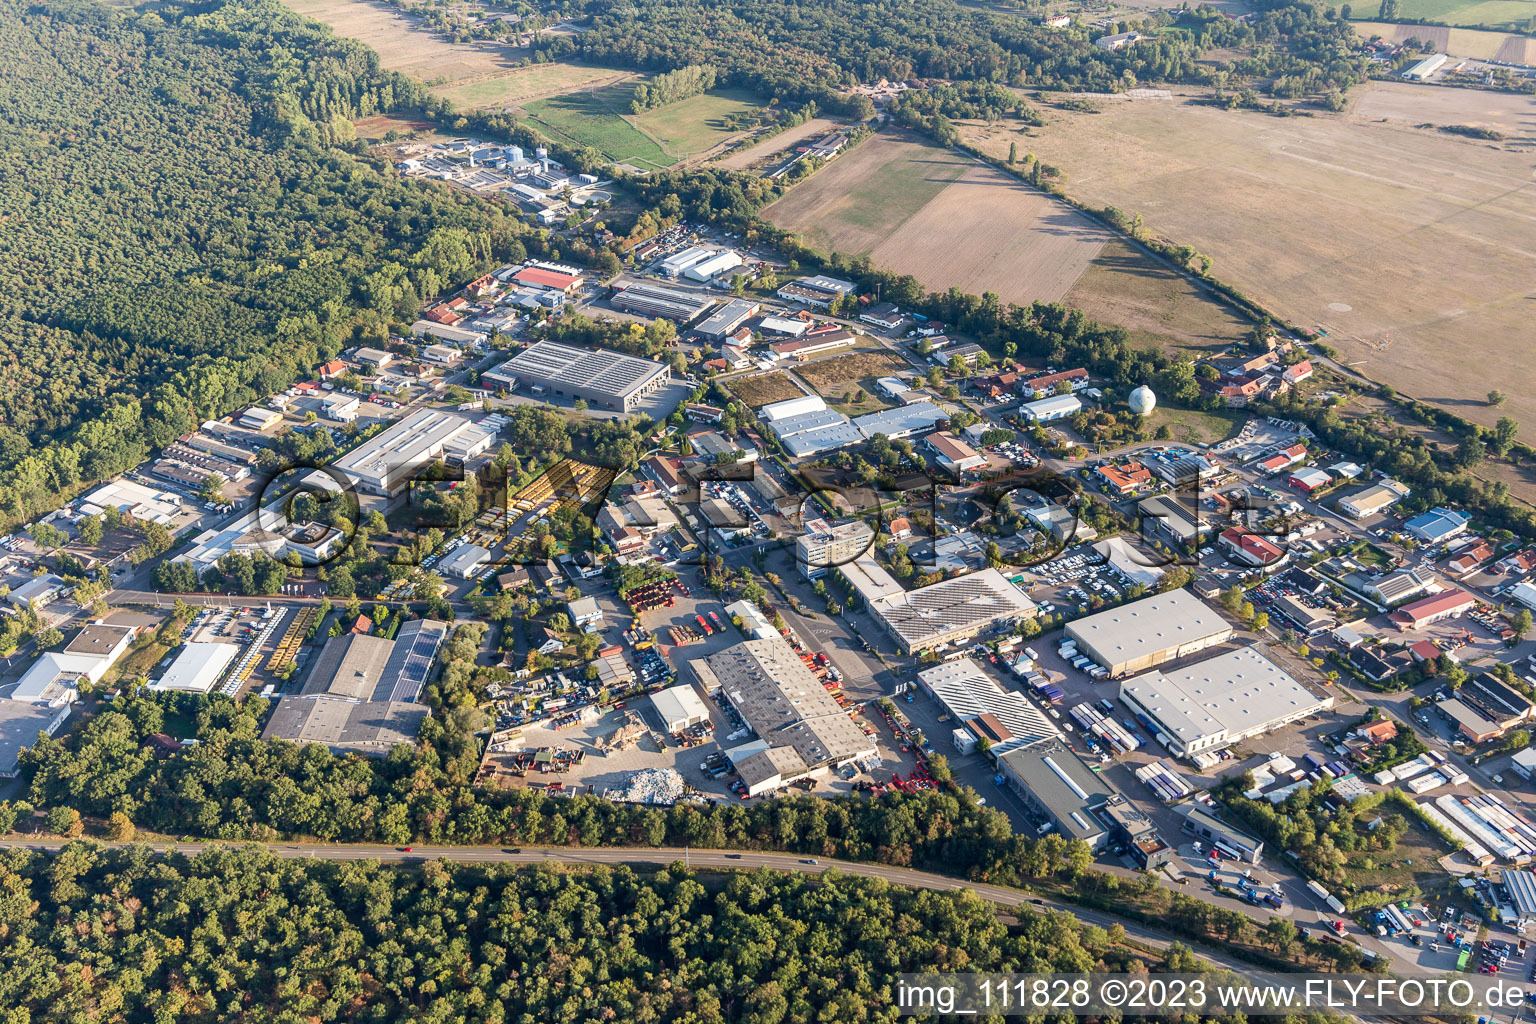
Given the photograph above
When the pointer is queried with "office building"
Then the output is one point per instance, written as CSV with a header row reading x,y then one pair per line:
x,y
1148,632
823,545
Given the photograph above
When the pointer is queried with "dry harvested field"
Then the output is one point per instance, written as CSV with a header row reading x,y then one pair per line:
x,y
533,82
943,218
764,388
836,374
1128,288
1414,249
404,46
1412,104
744,158
1458,42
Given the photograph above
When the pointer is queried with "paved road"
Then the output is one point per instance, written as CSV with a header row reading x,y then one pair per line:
x,y
1004,898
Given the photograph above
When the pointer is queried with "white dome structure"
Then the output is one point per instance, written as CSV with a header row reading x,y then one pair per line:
x,y
1142,401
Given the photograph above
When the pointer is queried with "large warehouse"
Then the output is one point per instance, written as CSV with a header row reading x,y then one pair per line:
x,y
361,694
804,728
1148,632
655,300
1056,785
197,668
950,610
984,709
1219,701
610,380
385,463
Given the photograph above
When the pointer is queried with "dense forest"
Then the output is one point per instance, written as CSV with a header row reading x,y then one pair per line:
x,y
188,225
242,935
798,52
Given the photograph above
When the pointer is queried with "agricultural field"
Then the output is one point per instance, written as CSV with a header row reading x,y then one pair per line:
x,y
404,46
1458,42
1411,247
943,218
533,82
764,388
1157,306
1414,105
696,125
771,148
1454,12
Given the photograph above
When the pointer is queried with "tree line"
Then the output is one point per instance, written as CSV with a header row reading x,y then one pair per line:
x,y
671,86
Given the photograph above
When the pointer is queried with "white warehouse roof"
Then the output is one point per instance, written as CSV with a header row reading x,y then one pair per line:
x,y
679,706
197,667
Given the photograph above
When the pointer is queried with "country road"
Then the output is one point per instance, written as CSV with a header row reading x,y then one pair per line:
x,y
1000,896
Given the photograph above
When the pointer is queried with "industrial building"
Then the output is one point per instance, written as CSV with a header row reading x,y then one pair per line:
x,y
954,454
728,317
984,710
466,561
610,380
654,300
678,262
713,266
20,722
385,463
1234,842
1485,708
1148,632
548,277
1438,525
1432,609
1055,784
259,419
803,728
1219,701
901,421
360,695
197,668
142,503
820,291
679,708
823,545
1057,407
809,433
54,678
1421,69
951,610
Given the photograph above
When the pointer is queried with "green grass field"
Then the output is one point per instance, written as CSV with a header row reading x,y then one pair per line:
x,y
695,125
1455,12
653,140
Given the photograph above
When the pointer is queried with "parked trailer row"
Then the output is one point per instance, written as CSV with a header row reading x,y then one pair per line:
x,y
1095,722
1164,782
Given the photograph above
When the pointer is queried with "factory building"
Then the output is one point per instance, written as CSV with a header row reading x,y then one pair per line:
x,y
803,729
1148,632
679,708
385,463
1056,785
949,611
1219,701
653,300
610,380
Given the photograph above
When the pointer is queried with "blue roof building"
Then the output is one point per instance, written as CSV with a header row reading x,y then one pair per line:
x,y
1437,525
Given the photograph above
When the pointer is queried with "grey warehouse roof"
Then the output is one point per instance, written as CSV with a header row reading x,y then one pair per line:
x,y
610,373
1241,693
1148,626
